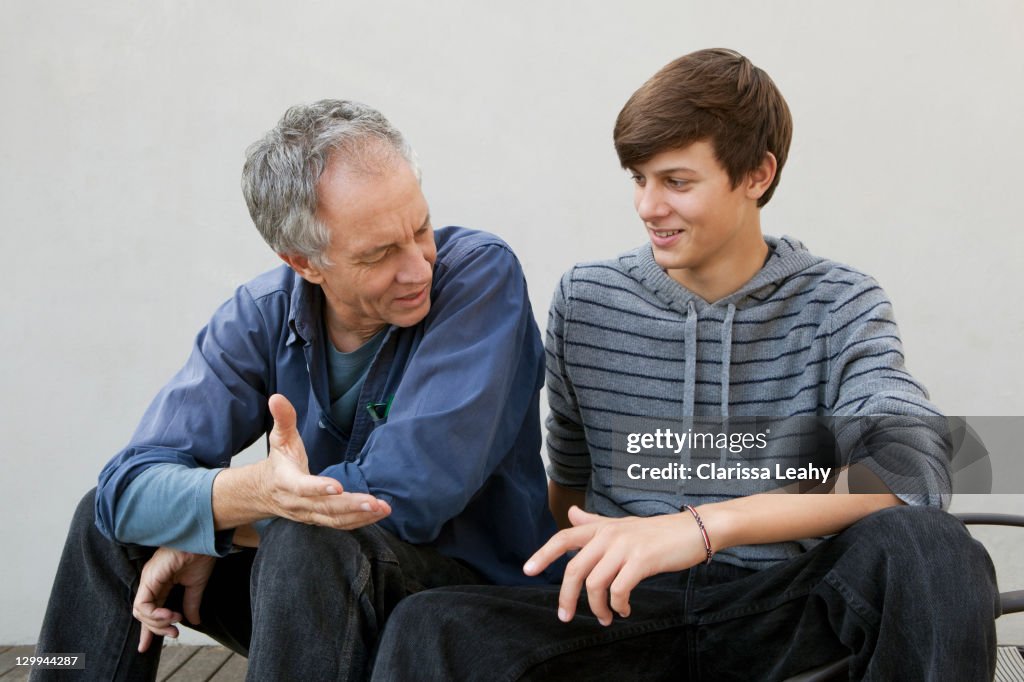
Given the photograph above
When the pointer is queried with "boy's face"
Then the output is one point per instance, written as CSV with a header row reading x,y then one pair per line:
x,y
694,217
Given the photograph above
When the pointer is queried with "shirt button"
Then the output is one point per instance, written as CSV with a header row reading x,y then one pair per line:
x,y
321,424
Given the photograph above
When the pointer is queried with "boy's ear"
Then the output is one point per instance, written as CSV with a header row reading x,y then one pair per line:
x,y
760,179
302,266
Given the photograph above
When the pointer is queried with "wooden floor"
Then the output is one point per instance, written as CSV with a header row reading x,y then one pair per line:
x,y
217,664
177,664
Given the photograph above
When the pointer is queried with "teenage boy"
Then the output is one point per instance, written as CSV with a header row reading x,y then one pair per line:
x,y
714,319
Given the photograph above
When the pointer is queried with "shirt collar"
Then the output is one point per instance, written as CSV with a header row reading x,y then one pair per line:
x,y
304,311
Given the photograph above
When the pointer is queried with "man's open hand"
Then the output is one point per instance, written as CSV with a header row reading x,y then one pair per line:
x,y
615,555
293,493
165,569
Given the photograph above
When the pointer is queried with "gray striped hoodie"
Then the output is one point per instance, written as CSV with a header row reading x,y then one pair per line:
x,y
629,349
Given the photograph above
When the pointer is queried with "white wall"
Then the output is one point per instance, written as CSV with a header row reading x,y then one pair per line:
x,y
124,124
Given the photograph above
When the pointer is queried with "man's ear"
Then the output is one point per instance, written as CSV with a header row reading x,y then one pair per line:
x,y
302,266
760,179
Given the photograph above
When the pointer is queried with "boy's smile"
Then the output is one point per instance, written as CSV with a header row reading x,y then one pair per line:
x,y
706,233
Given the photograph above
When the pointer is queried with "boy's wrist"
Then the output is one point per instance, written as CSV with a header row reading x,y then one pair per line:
x,y
720,524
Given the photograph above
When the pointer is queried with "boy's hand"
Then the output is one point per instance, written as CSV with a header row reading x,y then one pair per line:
x,y
615,555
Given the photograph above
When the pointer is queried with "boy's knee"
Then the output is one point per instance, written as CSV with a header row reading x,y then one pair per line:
x,y
929,546
422,622
906,530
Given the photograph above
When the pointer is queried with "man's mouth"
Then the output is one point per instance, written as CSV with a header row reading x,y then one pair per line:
x,y
413,297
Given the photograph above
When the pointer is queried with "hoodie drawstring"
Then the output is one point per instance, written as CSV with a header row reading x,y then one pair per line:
x,y
690,346
730,312
726,356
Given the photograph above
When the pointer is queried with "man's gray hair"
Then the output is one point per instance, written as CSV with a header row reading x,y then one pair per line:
x,y
281,170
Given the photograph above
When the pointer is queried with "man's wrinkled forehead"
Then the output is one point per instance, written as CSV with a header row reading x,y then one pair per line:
x,y
364,157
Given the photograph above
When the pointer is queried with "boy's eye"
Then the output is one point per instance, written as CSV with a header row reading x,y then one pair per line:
x,y
637,179
676,183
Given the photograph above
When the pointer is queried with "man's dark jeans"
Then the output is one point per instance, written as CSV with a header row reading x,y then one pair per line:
x,y
309,604
906,591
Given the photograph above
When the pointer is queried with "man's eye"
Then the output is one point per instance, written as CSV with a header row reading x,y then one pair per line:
x,y
375,258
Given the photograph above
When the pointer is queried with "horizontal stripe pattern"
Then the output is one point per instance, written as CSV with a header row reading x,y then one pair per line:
x,y
808,337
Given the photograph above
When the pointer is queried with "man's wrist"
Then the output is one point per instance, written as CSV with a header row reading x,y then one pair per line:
x,y
239,496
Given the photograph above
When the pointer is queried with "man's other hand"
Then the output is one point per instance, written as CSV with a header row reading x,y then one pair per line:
x,y
165,569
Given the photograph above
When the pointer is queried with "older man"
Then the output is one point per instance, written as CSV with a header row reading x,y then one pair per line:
x,y
396,373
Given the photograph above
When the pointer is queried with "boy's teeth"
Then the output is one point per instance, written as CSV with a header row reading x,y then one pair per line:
x,y
666,234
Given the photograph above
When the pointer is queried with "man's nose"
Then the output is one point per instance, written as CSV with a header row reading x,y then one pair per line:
x,y
416,267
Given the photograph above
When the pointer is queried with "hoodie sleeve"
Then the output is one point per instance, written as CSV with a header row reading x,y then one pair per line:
x,y
566,442
883,417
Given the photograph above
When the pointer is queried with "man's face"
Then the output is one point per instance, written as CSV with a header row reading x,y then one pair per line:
x,y
382,249
695,219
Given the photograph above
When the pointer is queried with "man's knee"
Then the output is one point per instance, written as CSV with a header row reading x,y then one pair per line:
x,y
84,518
297,550
84,535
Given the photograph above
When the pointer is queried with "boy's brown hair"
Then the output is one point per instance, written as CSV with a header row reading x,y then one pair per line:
x,y
715,95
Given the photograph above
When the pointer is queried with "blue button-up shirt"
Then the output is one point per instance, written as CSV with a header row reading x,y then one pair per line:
x,y
448,428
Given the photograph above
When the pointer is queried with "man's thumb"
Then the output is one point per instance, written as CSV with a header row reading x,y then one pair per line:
x,y
284,415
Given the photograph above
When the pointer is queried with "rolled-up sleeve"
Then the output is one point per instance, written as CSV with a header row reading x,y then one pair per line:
x,y
883,416
213,408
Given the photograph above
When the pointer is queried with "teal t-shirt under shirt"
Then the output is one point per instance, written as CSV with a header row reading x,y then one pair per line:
x,y
346,374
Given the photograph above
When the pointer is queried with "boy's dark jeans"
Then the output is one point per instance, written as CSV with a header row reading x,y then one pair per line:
x,y
906,591
309,604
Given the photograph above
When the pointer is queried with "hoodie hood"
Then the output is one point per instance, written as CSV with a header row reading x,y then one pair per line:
x,y
788,258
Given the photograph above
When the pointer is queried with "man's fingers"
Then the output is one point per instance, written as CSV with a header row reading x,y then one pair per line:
x,y
158,618
190,603
334,505
348,521
149,633
155,616
560,543
304,485
148,604
145,639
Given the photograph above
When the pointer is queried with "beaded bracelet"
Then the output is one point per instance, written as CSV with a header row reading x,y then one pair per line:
x,y
703,532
